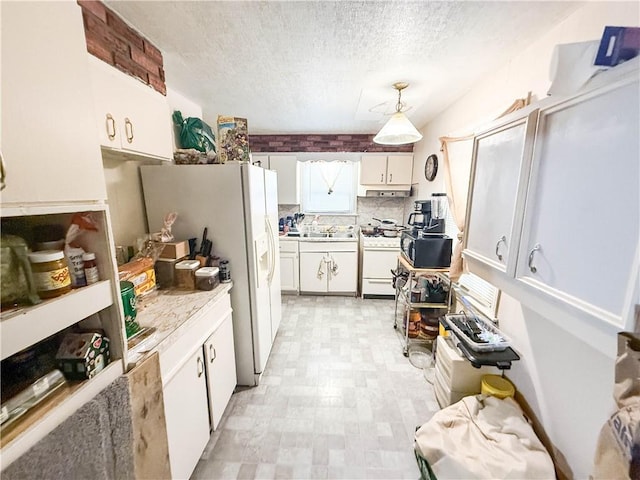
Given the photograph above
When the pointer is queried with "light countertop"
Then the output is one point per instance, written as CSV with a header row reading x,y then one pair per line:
x,y
171,313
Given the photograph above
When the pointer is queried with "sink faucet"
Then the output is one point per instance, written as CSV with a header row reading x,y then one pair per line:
x,y
332,229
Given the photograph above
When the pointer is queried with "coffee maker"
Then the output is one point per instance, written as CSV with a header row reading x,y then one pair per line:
x,y
428,215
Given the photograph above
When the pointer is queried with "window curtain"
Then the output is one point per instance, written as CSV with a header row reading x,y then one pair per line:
x,y
457,155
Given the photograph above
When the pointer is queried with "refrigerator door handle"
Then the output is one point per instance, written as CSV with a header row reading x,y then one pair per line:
x,y
272,251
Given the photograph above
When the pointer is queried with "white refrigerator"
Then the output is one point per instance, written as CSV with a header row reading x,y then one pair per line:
x,y
238,203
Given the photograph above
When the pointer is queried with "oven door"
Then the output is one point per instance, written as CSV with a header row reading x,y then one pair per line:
x,y
377,262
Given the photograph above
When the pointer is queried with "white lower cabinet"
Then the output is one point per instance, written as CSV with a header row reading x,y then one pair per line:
x,y
199,375
328,267
289,266
220,360
187,415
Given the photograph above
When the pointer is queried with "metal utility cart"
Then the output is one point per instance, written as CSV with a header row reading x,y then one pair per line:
x,y
404,300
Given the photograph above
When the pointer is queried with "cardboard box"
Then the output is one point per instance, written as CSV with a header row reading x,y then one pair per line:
x,y
174,250
83,355
139,272
618,44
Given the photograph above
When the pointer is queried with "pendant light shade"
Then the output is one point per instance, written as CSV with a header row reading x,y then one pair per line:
x,y
398,130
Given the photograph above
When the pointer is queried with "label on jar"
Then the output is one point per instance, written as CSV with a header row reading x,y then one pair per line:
x,y
91,275
52,280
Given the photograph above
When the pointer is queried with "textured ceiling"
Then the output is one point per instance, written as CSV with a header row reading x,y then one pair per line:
x,y
322,66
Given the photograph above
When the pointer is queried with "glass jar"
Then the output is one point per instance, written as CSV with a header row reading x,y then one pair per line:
x,y
50,273
90,268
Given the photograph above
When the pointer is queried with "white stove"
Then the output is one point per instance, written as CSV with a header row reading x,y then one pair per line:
x,y
379,257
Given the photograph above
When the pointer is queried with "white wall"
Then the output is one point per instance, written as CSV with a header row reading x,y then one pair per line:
x,y
568,384
124,188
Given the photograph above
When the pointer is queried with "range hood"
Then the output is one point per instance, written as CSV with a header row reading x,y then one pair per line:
x,y
399,191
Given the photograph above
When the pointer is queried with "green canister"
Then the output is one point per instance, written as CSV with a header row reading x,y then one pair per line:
x,y
128,297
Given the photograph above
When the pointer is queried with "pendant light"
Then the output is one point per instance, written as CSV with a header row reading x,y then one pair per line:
x,y
398,130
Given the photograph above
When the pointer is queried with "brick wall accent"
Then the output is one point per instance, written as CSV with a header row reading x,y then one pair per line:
x,y
111,40
321,143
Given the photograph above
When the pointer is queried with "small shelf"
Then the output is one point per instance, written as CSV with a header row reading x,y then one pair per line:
x,y
26,326
402,297
45,417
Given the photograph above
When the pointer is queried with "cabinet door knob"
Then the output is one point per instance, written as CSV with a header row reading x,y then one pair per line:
x,y
391,177
200,367
535,248
212,353
128,126
503,239
382,178
111,127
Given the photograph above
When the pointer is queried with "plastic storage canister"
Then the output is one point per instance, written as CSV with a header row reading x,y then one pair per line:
x,y
207,278
186,274
497,386
50,273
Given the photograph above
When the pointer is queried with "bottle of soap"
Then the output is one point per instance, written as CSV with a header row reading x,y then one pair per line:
x,y
314,224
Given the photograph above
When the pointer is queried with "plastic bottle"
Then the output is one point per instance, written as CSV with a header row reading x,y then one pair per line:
x,y
314,224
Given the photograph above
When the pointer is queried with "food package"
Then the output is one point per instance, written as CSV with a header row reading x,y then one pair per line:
x,y
83,355
233,139
140,272
80,223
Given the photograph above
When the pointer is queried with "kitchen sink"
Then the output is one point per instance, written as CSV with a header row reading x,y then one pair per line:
x,y
335,235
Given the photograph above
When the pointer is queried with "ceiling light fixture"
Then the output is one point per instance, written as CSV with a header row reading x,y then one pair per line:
x,y
398,130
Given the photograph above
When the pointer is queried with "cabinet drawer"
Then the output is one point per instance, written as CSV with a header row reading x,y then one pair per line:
x,y
378,286
288,246
328,246
191,336
458,373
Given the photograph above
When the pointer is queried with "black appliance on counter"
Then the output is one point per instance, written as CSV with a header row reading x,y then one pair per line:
x,y
427,250
428,216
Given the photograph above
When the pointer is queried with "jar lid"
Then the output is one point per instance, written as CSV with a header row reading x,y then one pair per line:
x,y
88,256
207,272
44,256
188,265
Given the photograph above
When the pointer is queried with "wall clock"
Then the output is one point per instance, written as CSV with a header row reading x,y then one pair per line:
x,y
431,167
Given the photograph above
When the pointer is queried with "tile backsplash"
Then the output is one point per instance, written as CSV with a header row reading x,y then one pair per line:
x,y
367,208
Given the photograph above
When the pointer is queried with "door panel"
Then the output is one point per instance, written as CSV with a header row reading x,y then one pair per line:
x,y
497,170
373,169
399,169
221,370
310,264
186,412
346,279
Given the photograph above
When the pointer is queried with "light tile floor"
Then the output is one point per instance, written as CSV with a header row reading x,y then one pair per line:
x,y
338,400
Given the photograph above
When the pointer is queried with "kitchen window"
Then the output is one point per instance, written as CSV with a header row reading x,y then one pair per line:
x,y
329,186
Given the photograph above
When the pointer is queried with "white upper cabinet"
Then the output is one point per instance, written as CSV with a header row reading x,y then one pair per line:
x,y
386,170
561,206
500,168
131,117
399,169
286,166
48,141
373,170
580,238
